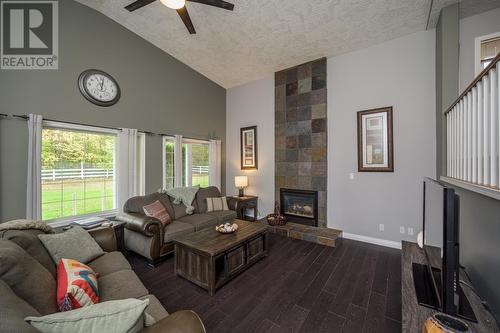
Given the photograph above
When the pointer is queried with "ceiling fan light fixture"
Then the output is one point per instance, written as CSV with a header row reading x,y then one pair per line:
x,y
174,4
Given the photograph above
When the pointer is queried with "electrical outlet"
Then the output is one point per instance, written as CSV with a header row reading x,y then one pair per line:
x,y
410,231
351,176
401,230
381,227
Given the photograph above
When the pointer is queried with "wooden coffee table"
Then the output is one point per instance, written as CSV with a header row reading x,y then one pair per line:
x,y
210,259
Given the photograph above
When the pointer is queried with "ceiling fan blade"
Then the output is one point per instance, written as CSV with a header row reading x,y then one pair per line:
x,y
138,4
216,3
183,13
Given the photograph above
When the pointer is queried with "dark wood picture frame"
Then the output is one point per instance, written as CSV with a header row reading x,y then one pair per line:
x,y
245,166
389,145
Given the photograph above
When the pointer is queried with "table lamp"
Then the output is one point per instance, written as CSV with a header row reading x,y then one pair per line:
x,y
241,182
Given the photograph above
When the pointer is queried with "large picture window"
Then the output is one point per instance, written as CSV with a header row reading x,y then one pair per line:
x,y
78,172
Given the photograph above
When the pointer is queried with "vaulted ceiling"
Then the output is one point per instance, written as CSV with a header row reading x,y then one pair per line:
x,y
263,36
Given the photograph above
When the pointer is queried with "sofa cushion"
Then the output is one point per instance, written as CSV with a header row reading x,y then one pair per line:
x,y
109,263
177,228
76,243
27,277
13,310
155,309
28,241
202,195
200,221
120,285
217,204
224,216
179,209
116,316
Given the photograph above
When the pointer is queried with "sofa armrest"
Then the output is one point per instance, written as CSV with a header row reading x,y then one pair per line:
x,y
143,224
106,238
185,321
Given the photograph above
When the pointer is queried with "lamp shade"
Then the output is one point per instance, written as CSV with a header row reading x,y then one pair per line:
x,y
240,181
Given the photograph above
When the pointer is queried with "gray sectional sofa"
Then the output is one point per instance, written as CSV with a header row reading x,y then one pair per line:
x,y
28,283
146,236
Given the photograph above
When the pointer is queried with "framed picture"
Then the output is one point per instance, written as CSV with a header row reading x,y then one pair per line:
x,y
248,136
375,141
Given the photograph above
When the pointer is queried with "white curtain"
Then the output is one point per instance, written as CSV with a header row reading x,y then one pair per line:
x,y
130,173
178,161
215,158
34,188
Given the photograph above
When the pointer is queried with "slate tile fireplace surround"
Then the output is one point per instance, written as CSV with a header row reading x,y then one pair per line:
x,y
301,132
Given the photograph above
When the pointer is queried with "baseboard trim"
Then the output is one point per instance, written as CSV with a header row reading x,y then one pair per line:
x,y
372,240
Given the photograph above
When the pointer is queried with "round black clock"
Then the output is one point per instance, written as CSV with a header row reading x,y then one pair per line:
x,y
99,87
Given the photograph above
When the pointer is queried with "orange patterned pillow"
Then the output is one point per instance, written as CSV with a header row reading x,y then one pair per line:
x,y
158,211
76,285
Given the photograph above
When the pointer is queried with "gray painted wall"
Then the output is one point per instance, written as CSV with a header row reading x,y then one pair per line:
x,y
471,27
479,224
397,73
159,94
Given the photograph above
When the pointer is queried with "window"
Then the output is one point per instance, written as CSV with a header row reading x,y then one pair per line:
x,y
489,50
78,172
486,48
195,163
168,162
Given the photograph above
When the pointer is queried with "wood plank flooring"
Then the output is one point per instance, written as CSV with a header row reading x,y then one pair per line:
x,y
299,287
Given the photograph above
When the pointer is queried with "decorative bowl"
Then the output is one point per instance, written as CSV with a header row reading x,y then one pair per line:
x,y
276,219
227,228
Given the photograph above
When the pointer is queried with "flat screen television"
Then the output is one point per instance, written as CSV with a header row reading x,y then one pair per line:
x,y
437,283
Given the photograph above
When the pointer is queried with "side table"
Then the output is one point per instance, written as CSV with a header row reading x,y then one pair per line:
x,y
241,204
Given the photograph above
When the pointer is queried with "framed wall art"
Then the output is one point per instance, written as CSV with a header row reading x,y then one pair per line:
x,y
248,136
375,140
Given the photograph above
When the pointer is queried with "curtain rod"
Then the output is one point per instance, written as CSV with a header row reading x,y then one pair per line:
x,y
25,117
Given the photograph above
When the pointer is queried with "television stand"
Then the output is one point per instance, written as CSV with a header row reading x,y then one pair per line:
x,y
414,315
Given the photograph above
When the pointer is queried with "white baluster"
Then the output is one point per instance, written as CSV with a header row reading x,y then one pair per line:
x,y
480,138
486,129
494,127
474,136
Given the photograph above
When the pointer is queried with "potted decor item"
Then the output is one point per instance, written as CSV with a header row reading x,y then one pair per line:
x,y
276,219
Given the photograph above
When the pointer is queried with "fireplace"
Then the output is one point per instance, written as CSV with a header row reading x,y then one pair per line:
x,y
299,206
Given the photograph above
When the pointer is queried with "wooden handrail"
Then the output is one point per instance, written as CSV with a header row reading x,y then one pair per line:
x,y
483,73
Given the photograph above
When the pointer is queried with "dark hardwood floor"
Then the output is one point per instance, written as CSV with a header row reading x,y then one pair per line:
x,y
299,287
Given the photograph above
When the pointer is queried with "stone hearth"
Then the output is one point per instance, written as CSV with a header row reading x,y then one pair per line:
x,y
301,131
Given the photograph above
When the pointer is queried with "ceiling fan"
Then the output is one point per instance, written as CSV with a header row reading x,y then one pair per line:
x,y
180,6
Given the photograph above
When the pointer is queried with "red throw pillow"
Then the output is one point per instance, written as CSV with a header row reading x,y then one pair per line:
x,y
76,285
158,211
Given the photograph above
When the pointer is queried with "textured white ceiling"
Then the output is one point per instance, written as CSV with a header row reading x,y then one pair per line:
x,y
263,36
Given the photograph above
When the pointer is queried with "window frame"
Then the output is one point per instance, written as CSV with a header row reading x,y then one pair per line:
x,y
62,221
189,158
478,65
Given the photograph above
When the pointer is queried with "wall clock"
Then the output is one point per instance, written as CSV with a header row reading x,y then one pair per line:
x,y
99,87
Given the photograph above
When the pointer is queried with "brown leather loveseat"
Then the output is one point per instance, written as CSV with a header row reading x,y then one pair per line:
x,y
146,236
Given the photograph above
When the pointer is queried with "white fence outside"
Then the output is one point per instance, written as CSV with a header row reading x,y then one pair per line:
x,y
83,173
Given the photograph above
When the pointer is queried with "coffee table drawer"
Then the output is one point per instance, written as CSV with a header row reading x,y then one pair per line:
x,y
255,248
235,260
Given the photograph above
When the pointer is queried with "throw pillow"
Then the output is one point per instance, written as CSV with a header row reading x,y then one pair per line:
x,y
76,285
217,204
76,243
111,317
158,211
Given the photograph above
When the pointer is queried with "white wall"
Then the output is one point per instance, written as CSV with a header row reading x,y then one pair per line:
x,y
398,73
249,105
471,27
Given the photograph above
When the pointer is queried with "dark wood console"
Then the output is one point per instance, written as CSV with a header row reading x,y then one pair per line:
x,y
414,315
